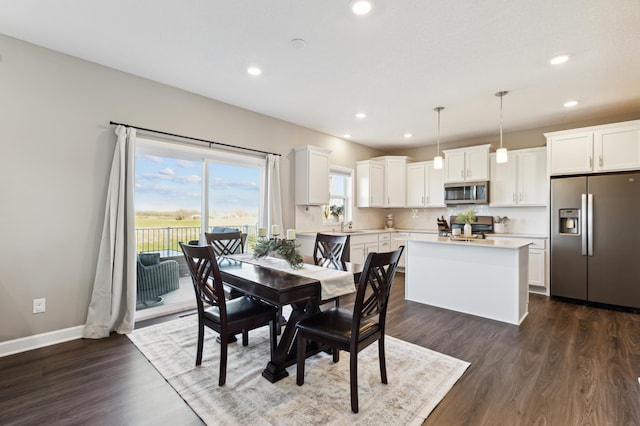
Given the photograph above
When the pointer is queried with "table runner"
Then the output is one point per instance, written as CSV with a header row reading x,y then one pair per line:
x,y
333,283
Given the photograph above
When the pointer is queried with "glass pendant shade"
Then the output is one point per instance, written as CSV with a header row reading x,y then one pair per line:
x,y
501,155
437,162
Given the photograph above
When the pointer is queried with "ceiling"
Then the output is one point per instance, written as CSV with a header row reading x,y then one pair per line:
x,y
395,64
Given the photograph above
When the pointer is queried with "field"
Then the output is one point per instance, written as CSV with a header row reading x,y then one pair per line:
x,y
163,230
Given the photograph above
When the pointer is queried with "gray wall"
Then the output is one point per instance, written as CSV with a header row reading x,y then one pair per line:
x,y
56,146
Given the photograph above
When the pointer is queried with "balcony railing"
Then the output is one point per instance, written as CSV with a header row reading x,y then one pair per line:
x,y
158,239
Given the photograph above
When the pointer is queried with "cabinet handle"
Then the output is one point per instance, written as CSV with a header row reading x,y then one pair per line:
x,y
600,160
468,172
462,173
428,199
388,200
513,196
423,199
590,161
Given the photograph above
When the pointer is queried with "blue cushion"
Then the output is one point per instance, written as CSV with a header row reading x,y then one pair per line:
x,y
148,259
223,229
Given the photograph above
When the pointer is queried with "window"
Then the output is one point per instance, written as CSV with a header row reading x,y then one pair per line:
x,y
340,195
182,191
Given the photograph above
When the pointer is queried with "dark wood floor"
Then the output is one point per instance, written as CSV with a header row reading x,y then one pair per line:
x,y
566,364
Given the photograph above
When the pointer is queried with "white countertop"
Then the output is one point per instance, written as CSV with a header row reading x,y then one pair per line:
x,y
489,243
414,231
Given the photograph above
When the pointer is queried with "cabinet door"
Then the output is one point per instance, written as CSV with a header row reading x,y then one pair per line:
x,y
454,167
532,178
356,255
318,184
395,183
372,248
435,186
477,162
571,154
416,178
369,188
376,191
503,181
536,267
617,149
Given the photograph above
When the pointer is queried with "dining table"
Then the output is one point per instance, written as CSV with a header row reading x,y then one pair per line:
x,y
280,288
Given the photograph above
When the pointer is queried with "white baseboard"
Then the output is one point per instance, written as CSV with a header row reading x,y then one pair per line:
x,y
28,343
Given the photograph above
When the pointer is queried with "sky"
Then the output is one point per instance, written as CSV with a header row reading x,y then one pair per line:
x,y
168,184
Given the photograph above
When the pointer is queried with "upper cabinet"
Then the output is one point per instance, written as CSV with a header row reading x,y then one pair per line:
x,y
381,182
369,183
466,164
521,181
425,185
312,175
606,148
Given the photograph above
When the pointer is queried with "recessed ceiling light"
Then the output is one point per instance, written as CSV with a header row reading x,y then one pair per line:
x,y
407,135
298,43
570,104
560,59
254,70
361,7
361,115
347,135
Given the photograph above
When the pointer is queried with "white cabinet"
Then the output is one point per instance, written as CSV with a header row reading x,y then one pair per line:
x,y
521,181
384,242
425,185
395,180
361,246
312,176
537,263
369,184
466,164
400,239
382,182
606,148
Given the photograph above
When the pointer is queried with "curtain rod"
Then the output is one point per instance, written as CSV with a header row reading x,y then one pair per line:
x,y
195,139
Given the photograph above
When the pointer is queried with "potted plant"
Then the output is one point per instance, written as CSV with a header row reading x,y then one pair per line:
x,y
336,211
467,217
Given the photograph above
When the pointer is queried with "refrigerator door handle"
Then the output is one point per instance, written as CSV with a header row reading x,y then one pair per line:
x,y
583,223
590,224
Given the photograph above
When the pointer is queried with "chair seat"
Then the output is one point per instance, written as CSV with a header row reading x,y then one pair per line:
x,y
335,324
241,309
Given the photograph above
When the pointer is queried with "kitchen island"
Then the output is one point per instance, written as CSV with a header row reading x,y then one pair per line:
x,y
487,278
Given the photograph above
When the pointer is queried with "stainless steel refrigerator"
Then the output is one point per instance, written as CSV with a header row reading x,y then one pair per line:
x,y
595,238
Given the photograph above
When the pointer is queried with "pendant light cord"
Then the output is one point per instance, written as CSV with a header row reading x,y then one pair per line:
x,y
501,95
438,109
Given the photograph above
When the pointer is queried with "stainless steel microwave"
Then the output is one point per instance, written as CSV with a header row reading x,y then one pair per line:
x,y
466,193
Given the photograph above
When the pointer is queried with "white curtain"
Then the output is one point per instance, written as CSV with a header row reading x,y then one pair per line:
x,y
113,302
272,203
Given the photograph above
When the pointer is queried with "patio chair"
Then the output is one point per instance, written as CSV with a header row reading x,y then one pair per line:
x,y
155,278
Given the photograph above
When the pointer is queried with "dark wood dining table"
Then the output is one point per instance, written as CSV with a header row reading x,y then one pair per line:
x,y
280,289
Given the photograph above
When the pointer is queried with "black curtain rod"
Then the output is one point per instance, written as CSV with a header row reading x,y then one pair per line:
x,y
194,139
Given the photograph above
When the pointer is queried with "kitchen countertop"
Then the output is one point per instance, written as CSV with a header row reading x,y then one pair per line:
x,y
489,243
417,231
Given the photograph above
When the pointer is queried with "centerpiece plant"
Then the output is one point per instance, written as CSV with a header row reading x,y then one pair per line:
x,y
466,217
282,248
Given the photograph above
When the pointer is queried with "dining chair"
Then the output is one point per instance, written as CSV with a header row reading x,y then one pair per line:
x,y
226,317
352,331
225,243
328,251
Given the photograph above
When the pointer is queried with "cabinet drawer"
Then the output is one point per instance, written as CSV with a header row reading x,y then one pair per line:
x,y
364,239
384,237
539,244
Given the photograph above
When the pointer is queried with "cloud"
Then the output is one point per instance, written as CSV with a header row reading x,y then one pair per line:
x,y
152,158
222,183
186,164
167,171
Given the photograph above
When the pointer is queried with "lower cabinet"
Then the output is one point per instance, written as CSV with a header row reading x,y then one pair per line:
x,y
537,263
361,246
400,239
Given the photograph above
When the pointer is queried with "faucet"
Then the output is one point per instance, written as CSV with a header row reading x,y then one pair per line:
x,y
342,225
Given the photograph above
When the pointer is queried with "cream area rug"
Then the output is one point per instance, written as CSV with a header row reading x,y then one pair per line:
x,y
418,379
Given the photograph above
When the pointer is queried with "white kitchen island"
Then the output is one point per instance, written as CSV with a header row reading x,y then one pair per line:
x,y
487,278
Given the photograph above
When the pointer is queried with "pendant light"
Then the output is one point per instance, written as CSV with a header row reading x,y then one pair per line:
x,y
501,153
437,160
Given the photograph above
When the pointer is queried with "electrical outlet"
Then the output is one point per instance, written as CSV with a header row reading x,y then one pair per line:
x,y
39,305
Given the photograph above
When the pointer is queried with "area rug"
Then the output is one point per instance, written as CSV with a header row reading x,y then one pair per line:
x,y
418,380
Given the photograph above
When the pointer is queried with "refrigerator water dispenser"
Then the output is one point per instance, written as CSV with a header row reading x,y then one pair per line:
x,y
569,221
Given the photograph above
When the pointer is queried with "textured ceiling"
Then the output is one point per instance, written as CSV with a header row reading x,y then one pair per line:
x,y
396,64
